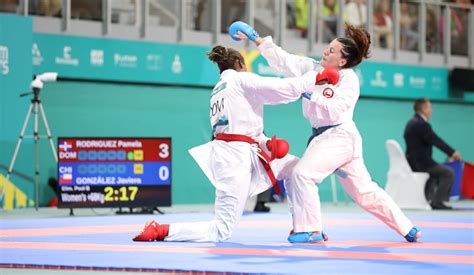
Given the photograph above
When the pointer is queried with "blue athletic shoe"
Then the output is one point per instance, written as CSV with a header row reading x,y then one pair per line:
x,y
325,237
413,235
306,237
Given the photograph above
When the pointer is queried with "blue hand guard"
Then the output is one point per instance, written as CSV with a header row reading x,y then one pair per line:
x,y
237,26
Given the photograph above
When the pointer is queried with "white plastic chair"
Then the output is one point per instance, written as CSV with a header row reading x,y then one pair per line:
x,y
407,188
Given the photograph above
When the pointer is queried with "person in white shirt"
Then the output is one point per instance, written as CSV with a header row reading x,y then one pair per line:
x,y
356,13
241,161
383,25
336,145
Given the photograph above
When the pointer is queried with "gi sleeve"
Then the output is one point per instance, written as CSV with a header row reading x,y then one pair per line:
x,y
274,90
284,63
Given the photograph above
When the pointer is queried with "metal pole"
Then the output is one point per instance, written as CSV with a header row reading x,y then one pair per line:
x,y
276,22
250,12
447,34
422,31
144,18
216,21
340,19
311,34
396,30
370,20
24,7
250,15
66,15
106,16
320,21
282,22
182,20
471,37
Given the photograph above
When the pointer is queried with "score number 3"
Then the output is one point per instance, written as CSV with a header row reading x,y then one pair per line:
x,y
164,150
164,172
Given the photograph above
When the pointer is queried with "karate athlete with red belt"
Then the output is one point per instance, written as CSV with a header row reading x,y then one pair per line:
x,y
336,145
238,161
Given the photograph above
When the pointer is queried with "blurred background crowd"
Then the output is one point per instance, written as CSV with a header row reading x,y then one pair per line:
x,y
165,13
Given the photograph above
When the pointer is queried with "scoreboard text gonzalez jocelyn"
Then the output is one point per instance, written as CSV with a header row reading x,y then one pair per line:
x,y
114,172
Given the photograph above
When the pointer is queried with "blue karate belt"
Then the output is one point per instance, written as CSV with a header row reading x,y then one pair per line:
x,y
319,131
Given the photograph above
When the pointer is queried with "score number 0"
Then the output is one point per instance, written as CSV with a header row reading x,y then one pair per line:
x,y
164,152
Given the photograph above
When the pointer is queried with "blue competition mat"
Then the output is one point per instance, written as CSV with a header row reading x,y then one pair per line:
x,y
358,244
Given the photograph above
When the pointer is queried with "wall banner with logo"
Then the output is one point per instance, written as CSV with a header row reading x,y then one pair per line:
x,y
15,53
15,77
403,81
15,74
121,60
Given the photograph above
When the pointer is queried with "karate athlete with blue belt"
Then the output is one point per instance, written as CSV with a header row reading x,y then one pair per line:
x,y
241,161
336,145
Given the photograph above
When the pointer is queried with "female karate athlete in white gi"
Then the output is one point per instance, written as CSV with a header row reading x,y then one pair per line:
x,y
233,161
336,145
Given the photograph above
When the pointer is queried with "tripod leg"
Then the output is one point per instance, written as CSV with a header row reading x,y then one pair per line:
x,y
20,139
48,131
17,148
36,137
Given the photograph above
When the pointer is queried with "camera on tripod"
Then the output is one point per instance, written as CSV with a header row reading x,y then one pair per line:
x,y
45,77
36,108
37,83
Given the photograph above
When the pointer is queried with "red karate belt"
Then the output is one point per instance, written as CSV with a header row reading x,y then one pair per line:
x,y
264,157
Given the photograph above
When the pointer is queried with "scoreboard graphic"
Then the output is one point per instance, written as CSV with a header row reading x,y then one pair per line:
x,y
114,172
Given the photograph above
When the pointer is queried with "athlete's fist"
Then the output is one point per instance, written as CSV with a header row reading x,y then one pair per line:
x,y
240,26
278,147
329,75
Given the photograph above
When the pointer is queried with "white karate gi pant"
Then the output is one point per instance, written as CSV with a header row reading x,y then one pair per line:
x,y
338,148
237,173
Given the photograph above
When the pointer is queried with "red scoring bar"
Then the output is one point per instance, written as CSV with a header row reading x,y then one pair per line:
x,y
136,149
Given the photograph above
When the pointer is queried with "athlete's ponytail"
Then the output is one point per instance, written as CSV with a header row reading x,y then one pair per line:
x,y
225,58
356,45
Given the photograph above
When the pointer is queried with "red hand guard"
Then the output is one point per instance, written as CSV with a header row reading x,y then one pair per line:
x,y
278,147
329,74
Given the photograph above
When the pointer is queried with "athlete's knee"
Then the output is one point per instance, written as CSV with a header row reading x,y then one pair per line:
x,y
301,174
221,231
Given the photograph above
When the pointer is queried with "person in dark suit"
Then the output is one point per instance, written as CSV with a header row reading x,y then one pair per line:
x,y
420,139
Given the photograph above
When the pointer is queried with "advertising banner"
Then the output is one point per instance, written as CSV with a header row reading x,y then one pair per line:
x,y
121,60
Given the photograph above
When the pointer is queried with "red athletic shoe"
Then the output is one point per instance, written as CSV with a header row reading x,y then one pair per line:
x,y
153,231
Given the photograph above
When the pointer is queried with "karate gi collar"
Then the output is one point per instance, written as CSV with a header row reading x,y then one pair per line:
x,y
229,73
